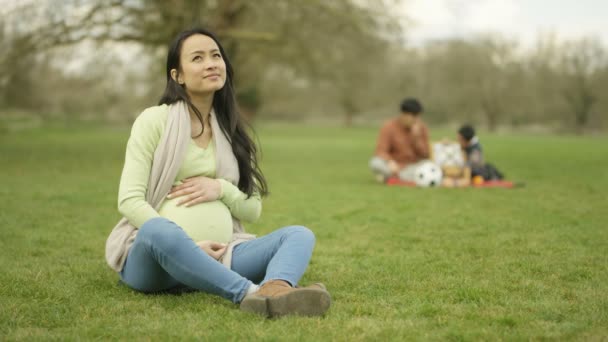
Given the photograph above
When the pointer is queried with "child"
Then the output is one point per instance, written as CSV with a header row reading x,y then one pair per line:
x,y
474,155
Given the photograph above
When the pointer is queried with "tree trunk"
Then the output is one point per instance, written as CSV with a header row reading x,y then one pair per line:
x,y
581,101
492,112
349,108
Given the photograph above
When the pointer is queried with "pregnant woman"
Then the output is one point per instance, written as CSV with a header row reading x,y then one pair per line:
x,y
190,177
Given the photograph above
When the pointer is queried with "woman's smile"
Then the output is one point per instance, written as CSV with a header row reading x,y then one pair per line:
x,y
214,77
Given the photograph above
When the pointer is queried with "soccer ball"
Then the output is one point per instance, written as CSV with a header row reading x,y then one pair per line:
x,y
428,174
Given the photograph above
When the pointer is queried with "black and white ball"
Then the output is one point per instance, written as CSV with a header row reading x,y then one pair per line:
x,y
428,174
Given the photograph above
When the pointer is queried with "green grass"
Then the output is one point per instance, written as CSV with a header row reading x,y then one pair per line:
x,y
400,263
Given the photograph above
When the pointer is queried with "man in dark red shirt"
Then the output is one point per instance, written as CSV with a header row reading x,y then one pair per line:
x,y
402,143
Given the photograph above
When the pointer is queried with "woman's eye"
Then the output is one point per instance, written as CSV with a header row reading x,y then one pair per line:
x,y
196,58
217,55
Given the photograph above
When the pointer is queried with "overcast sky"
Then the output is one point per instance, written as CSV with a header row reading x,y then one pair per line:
x,y
520,19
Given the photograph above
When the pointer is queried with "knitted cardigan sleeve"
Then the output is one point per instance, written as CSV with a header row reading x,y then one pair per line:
x,y
241,207
145,136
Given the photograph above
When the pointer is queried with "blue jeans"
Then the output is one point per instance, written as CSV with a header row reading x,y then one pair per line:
x,y
163,257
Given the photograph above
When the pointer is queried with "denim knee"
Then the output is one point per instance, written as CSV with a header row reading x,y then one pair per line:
x,y
154,226
302,233
158,230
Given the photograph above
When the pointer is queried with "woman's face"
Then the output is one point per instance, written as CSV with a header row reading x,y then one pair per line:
x,y
203,70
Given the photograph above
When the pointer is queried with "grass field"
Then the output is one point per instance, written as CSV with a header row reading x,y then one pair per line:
x,y
400,263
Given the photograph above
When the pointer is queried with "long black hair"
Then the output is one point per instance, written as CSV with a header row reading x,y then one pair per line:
x,y
229,119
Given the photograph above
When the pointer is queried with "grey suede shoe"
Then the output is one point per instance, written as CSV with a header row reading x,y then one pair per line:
x,y
277,298
319,286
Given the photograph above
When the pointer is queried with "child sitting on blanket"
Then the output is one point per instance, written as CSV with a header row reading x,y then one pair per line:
x,y
474,155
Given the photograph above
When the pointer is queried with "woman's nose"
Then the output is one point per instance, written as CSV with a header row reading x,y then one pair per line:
x,y
211,64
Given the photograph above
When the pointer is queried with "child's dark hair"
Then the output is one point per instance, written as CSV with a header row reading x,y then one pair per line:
x,y
467,132
412,106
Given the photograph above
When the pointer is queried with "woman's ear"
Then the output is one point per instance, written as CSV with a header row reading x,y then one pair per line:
x,y
175,76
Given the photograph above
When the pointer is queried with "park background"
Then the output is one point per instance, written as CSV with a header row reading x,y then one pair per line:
x,y
317,78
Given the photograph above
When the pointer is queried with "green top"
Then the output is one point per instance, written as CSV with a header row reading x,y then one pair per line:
x,y
203,221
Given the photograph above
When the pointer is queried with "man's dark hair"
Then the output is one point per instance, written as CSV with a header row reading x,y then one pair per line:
x,y
467,132
412,106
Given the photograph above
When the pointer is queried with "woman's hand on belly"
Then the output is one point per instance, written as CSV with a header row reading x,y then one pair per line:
x,y
214,249
196,190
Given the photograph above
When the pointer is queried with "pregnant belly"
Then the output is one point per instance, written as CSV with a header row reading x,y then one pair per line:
x,y
203,221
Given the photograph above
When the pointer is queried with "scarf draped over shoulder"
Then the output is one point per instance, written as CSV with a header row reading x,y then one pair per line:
x,y
168,158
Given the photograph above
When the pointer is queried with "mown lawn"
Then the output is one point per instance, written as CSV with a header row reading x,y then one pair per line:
x,y
401,263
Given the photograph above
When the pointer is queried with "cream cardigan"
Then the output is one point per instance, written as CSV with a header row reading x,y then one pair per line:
x,y
168,157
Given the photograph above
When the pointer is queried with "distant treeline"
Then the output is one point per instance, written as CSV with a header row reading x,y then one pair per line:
x,y
340,60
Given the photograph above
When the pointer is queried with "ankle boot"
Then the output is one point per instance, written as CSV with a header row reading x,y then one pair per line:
x,y
277,298
319,286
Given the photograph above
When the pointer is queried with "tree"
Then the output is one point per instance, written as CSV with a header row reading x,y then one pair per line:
x,y
581,64
296,38
470,77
